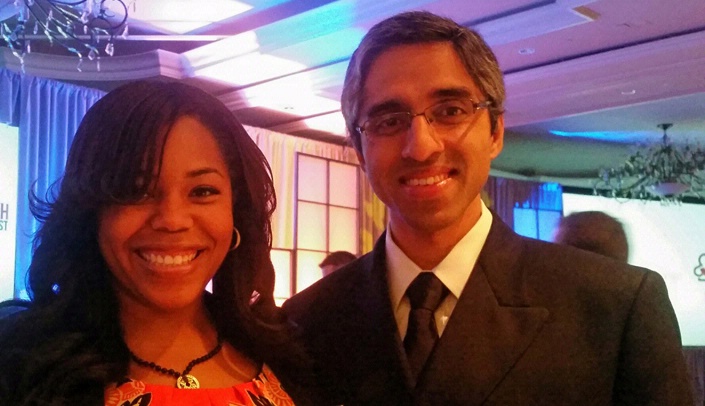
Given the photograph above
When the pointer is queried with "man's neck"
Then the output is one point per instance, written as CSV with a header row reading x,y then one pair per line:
x,y
427,248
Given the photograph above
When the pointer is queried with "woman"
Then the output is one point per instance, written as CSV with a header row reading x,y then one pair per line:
x,y
163,191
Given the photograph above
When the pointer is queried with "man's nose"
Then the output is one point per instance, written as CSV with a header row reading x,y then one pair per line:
x,y
421,140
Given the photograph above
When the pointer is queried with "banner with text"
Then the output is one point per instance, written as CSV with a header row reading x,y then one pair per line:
x,y
8,208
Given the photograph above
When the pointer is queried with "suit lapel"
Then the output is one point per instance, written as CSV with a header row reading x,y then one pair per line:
x,y
491,327
385,375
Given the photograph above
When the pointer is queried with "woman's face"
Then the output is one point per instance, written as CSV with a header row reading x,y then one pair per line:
x,y
163,250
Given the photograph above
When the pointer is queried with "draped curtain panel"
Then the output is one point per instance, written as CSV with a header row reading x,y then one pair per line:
x,y
374,216
502,195
47,113
9,97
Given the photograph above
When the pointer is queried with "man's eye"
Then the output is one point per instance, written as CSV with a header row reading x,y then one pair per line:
x,y
451,110
387,123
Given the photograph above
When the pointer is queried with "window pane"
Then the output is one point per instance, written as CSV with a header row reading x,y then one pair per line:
x,y
548,221
311,179
281,260
307,270
311,226
345,231
525,222
343,185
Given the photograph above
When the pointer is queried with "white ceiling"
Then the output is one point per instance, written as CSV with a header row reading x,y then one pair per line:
x,y
605,71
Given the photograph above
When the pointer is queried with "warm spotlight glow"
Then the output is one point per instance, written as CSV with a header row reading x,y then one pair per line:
x,y
333,123
249,68
182,16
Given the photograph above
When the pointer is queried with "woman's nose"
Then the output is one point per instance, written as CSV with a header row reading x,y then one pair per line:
x,y
171,213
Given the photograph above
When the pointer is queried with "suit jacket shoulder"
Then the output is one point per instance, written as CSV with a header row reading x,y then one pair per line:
x,y
347,322
537,323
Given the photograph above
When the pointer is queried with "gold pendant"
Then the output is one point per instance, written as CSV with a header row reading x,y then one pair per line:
x,y
187,382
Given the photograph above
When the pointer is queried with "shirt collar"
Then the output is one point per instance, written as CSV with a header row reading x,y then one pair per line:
x,y
454,270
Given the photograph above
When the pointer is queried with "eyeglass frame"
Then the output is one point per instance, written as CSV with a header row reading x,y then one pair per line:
x,y
476,106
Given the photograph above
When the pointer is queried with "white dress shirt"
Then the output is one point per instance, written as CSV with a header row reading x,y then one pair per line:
x,y
454,271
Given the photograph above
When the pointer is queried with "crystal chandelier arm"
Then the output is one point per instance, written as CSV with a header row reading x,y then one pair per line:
x,y
662,171
61,22
58,34
104,16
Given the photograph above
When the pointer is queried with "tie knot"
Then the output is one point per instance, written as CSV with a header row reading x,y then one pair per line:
x,y
426,292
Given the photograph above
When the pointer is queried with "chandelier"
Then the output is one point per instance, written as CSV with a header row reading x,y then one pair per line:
x,y
662,172
79,26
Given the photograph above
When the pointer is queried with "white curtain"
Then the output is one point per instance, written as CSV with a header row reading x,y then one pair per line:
x,y
280,150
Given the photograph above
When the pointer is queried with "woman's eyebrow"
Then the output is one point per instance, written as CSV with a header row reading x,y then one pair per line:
x,y
202,171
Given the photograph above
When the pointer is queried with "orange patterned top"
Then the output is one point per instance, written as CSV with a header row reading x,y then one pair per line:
x,y
263,390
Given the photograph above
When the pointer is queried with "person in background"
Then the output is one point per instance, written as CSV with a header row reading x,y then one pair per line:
x,y
335,260
594,231
163,191
452,307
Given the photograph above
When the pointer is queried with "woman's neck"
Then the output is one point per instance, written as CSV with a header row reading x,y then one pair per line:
x,y
172,340
186,331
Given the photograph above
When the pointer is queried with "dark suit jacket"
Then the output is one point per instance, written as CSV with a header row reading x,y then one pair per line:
x,y
536,324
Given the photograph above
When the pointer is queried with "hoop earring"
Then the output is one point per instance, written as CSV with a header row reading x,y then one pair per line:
x,y
236,234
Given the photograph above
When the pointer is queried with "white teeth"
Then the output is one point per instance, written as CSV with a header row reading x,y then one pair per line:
x,y
169,259
431,180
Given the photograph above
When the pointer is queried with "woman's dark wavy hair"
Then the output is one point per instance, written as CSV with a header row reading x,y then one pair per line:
x,y
70,342
419,27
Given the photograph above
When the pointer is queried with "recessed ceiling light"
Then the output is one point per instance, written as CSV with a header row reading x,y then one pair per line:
x,y
628,92
526,51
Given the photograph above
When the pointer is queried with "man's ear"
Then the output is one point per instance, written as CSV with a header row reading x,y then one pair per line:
x,y
360,159
497,138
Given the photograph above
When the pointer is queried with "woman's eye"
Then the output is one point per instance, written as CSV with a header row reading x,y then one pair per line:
x,y
205,191
145,197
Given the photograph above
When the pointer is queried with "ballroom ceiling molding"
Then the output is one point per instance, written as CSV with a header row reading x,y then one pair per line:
x,y
595,82
151,64
533,21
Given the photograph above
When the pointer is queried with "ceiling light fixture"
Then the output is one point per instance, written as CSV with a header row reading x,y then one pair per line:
x,y
662,172
77,25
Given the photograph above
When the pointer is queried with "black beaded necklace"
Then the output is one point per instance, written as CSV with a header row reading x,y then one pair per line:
x,y
183,379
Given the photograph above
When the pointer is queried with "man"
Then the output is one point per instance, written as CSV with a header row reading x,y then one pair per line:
x,y
335,260
594,231
521,322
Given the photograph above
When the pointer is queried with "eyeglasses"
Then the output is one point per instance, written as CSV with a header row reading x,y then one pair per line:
x,y
444,116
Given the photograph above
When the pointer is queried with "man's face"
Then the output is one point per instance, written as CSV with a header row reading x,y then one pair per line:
x,y
429,177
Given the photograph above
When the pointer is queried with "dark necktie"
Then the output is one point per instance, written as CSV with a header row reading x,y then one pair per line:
x,y
425,293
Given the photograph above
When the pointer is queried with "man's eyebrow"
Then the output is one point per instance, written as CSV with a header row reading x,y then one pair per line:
x,y
453,92
202,171
397,105
384,107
